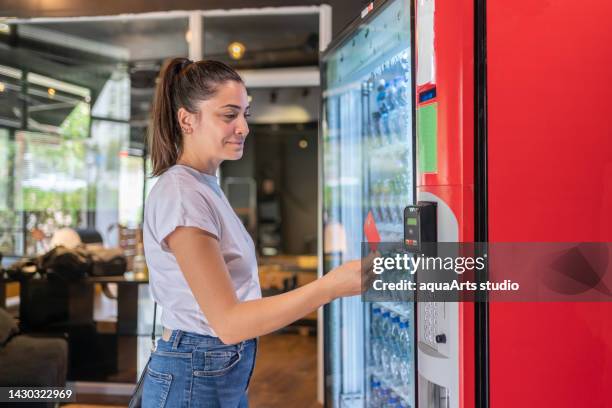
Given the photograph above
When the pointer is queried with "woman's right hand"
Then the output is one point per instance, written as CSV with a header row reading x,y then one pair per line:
x,y
348,278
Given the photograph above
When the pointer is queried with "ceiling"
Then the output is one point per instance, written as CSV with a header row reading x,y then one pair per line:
x,y
290,39
88,52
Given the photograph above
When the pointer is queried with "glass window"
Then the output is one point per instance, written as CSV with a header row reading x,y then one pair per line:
x,y
108,140
9,220
45,163
4,169
57,107
51,180
131,184
114,99
72,140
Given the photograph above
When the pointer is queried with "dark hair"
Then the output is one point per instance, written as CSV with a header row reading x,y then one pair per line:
x,y
181,84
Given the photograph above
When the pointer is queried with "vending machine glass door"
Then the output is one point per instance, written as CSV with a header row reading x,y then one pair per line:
x,y
367,179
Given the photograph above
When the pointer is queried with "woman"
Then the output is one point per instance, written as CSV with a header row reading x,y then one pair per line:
x,y
202,263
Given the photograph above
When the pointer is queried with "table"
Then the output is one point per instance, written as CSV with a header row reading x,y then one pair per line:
x,y
69,307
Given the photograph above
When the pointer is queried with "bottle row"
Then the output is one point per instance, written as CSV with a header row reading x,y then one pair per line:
x,y
391,346
388,208
395,184
391,184
384,397
391,121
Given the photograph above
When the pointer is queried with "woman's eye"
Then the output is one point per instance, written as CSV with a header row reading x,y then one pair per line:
x,y
232,116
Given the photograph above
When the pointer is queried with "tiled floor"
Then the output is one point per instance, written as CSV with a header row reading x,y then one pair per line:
x,y
286,372
285,375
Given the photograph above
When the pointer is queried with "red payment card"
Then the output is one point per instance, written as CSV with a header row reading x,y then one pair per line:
x,y
371,232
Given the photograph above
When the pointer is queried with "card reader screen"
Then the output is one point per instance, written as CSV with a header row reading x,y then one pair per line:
x,y
411,221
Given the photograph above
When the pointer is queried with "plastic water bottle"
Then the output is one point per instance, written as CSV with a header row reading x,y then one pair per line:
x,y
404,102
385,326
401,126
381,97
403,404
375,388
391,94
383,108
392,402
385,357
385,394
405,351
396,357
404,336
376,335
376,130
375,322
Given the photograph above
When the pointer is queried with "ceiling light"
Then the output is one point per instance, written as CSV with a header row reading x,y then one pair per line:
x,y
250,98
2,87
236,50
303,143
51,92
5,28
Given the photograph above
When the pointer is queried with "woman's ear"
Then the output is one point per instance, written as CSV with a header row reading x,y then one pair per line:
x,y
185,120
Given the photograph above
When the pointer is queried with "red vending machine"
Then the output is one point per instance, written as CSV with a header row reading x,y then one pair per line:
x,y
509,134
513,143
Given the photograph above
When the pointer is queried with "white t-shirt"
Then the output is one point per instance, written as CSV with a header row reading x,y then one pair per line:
x,y
183,196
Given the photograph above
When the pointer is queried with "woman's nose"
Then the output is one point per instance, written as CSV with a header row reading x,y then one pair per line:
x,y
242,128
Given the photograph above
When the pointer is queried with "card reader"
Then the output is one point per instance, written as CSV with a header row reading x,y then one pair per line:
x,y
420,225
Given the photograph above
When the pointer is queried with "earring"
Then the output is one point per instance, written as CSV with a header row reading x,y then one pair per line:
x,y
187,130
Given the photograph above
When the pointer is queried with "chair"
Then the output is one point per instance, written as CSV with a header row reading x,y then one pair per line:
x,y
28,361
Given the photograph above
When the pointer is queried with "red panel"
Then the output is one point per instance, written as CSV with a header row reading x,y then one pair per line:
x,y
466,357
550,179
454,48
454,181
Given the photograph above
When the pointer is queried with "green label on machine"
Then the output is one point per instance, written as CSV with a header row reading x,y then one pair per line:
x,y
427,138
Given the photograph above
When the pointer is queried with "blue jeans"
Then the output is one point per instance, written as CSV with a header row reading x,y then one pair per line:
x,y
197,371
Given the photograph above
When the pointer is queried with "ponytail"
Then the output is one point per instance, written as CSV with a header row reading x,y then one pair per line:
x,y
181,83
165,141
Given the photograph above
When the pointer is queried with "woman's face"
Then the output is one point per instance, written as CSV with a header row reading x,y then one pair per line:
x,y
220,127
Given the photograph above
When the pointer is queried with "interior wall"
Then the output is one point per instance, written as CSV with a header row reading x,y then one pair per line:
x,y
290,105
274,152
294,171
300,193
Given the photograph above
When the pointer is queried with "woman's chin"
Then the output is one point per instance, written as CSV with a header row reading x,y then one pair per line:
x,y
235,155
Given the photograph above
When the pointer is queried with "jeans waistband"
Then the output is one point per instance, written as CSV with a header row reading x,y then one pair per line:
x,y
177,337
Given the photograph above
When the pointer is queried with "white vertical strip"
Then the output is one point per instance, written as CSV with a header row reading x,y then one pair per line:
x,y
196,48
426,53
197,36
325,26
